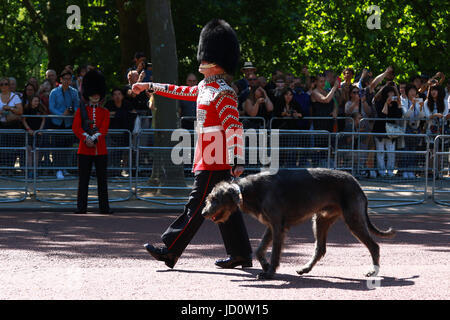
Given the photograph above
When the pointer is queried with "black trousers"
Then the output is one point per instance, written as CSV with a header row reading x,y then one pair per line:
x,y
85,163
183,229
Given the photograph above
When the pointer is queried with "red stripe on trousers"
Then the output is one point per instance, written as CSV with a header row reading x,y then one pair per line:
x,y
200,204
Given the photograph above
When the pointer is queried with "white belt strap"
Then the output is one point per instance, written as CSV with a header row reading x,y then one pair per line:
x,y
210,129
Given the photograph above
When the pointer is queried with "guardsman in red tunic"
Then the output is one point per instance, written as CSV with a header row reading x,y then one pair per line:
x,y
90,125
219,146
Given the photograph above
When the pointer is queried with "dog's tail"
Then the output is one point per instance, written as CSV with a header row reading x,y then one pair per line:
x,y
390,233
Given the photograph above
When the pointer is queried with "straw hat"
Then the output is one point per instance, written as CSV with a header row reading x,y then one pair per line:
x,y
248,66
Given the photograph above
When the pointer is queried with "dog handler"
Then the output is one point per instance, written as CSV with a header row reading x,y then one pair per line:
x,y
218,128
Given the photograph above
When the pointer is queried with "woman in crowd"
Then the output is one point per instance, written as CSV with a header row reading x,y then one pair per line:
x,y
357,108
413,111
386,107
121,118
323,105
358,103
10,112
34,107
44,94
258,104
287,108
28,93
436,110
10,106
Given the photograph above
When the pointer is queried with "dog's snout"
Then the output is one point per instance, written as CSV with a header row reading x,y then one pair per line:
x,y
205,212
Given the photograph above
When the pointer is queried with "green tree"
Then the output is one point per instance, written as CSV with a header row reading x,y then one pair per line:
x,y
165,70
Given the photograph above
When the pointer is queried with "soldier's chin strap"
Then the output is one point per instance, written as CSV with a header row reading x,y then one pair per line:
x,y
207,66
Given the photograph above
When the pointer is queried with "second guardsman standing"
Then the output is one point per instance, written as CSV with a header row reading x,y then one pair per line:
x,y
90,125
218,128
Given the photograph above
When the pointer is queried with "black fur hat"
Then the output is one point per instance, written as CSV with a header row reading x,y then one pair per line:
x,y
219,44
93,83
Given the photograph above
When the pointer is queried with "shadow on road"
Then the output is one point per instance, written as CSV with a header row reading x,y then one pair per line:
x,y
123,234
290,281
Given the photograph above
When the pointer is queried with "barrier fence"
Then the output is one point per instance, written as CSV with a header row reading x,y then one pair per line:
x,y
441,170
392,186
55,151
141,163
158,178
13,160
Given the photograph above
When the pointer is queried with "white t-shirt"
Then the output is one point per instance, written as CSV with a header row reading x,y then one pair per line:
x,y
413,115
13,100
434,121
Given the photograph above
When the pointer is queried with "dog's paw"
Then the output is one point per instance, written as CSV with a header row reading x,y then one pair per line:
x,y
304,270
265,276
373,272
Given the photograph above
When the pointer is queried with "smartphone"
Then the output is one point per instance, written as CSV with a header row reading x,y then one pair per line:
x,y
394,98
419,100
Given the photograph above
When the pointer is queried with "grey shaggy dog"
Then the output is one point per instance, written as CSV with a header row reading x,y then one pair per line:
x,y
288,198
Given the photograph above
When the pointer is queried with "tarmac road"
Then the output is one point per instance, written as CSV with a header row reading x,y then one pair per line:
x,y
54,255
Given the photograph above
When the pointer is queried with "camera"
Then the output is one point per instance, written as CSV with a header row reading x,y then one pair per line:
x,y
362,93
71,110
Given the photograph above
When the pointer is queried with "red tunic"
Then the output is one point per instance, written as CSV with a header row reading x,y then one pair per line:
x,y
101,122
220,133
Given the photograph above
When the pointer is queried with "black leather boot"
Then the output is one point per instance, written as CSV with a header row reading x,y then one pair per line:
x,y
232,262
162,254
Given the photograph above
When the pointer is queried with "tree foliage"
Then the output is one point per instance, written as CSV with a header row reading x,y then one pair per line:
x,y
284,34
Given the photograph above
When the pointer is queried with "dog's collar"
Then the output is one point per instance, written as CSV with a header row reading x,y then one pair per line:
x,y
238,189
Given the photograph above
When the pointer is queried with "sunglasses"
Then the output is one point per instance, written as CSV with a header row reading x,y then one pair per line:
x,y
253,79
4,84
355,92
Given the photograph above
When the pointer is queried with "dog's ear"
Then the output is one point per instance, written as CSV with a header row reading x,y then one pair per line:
x,y
234,192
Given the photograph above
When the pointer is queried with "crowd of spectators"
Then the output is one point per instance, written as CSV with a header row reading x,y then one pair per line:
x,y
285,101
57,98
364,103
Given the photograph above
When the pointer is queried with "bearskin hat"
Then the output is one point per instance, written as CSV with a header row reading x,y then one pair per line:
x,y
219,44
93,83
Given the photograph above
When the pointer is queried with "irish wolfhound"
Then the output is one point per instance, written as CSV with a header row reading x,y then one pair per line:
x,y
291,197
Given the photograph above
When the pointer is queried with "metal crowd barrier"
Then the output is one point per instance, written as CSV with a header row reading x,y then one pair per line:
x,y
154,164
13,160
301,149
55,150
441,170
390,186
248,122
30,167
273,119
